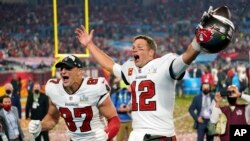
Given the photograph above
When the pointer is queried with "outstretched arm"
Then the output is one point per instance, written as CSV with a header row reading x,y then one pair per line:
x,y
216,111
191,53
86,39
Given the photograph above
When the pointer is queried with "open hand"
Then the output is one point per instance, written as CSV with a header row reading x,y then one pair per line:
x,y
83,36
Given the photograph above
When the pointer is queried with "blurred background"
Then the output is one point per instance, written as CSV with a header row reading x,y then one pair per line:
x,y
28,53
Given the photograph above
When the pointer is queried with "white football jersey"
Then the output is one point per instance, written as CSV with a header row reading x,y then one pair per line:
x,y
153,95
80,110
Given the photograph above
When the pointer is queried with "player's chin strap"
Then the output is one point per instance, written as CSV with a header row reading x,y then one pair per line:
x,y
112,127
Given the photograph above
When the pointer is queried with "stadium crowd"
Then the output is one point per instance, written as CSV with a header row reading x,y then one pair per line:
x,y
31,33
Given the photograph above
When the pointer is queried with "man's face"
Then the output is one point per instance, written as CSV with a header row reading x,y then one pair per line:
x,y
205,86
69,75
141,52
8,88
36,87
6,101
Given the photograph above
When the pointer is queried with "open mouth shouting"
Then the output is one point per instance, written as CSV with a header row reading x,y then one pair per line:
x,y
136,58
65,79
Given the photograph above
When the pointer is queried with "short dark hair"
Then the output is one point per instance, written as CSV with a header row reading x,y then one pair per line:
x,y
150,41
2,97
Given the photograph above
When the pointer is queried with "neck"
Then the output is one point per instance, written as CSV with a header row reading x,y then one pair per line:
x,y
74,87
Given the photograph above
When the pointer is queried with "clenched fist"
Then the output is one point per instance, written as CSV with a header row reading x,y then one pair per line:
x,y
35,127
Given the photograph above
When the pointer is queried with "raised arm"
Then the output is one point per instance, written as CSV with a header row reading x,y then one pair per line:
x,y
207,38
191,53
216,111
86,39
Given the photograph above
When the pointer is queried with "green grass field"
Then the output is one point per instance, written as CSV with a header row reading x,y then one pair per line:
x,y
183,120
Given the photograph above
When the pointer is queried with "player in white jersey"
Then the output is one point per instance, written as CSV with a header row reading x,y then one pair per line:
x,y
84,103
152,81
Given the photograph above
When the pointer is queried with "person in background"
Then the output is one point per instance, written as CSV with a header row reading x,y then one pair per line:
x,y
200,110
207,76
37,107
30,85
15,98
16,84
235,113
121,100
10,114
221,79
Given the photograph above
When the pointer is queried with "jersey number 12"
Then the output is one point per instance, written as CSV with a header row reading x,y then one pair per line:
x,y
146,90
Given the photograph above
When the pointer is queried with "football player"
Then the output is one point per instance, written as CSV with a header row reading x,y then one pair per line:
x,y
81,102
153,79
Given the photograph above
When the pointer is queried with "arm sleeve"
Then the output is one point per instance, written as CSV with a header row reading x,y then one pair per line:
x,y
247,113
246,98
247,110
117,70
179,67
215,114
112,127
192,109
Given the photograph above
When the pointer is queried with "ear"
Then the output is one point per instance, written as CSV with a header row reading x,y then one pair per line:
x,y
151,53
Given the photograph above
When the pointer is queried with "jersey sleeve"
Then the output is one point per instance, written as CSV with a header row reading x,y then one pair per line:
x,y
127,71
50,88
168,60
117,70
101,88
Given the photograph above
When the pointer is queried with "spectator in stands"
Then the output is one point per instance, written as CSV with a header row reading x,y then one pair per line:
x,y
15,98
196,72
16,83
30,85
37,107
207,75
221,79
241,70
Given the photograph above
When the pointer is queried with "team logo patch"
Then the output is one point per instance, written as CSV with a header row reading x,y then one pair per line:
x,y
83,100
152,70
130,71
204,35
239,112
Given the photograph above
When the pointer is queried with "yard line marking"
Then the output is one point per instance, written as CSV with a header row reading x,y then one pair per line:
x,y
181,117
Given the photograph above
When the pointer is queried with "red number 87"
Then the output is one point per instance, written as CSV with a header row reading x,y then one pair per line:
x,y
68,118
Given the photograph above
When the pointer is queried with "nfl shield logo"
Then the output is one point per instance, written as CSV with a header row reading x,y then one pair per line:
x,y
70,98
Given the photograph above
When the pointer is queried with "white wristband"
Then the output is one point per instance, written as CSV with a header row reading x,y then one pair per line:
x,y
195,45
